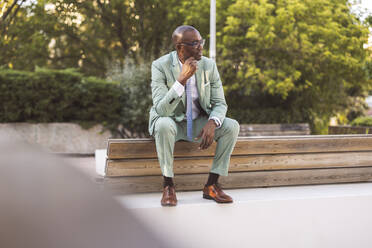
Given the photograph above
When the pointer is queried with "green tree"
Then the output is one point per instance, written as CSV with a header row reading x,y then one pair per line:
x,y
293,61
90,35
98,35
197,13
23,45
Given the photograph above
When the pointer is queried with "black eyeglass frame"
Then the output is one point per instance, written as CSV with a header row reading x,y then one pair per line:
x,y
194,44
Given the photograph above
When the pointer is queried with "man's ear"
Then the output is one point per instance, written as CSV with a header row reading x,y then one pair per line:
x,y
178,47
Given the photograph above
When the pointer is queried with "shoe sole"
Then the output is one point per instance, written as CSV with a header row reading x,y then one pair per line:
x,y
168,205
208,197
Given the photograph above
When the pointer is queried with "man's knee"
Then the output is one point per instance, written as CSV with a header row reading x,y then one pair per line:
x,y
165,126
231,126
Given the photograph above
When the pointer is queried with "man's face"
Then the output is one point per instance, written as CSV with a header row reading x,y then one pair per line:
x,y
192,45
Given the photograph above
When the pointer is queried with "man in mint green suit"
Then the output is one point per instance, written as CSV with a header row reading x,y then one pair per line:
x,y
196,114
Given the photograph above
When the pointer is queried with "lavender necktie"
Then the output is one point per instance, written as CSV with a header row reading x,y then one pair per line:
x,y
189,110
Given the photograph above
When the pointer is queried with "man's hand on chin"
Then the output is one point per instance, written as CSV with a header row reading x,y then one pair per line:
x,y
207,135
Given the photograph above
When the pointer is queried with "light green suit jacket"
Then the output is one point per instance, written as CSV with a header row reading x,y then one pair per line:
x,y
167,103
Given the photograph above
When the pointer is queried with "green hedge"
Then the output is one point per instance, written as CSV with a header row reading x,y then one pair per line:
x,y
59,96
362,121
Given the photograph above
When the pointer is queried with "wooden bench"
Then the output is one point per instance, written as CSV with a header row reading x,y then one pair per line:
x,y
274,129
349,130
132,165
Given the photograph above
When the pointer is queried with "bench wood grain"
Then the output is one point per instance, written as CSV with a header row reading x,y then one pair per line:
x,y
132,164
243,179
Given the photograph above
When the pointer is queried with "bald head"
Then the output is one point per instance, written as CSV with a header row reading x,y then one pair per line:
x,y
180,31
188,43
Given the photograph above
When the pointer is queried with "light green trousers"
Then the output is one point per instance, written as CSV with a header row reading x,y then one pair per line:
x,y
167,132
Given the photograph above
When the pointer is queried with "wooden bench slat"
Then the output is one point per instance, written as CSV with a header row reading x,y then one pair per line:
x,y
145,148
275,127
273,133
139,167
243,179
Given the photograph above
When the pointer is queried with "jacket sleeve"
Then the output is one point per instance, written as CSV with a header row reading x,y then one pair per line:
x,y
217,100
165,100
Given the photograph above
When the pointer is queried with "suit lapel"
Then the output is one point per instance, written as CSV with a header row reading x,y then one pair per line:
x,y
176,72
200,83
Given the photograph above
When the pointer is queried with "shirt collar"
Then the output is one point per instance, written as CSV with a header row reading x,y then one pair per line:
x,y
179,61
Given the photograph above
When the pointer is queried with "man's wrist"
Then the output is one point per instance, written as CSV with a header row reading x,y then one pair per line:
x,y
215,124
179,88
216,120
182,80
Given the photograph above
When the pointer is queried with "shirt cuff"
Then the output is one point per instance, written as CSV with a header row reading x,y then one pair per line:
x,y
179,88
216,120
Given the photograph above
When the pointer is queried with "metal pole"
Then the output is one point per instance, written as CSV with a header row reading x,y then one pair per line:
x,y
212,27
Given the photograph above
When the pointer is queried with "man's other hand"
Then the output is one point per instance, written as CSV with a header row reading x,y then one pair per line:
x,y
207,135
188,69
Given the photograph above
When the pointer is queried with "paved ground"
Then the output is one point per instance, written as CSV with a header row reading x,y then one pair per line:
x,y
85,164
290,217
318,216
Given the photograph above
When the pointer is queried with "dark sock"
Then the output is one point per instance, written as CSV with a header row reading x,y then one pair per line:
x,y
212,179
168,181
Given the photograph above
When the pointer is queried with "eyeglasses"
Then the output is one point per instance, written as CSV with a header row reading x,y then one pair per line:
x,y
195,44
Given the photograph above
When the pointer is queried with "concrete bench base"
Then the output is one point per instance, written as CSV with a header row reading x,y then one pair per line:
x,y
67,138
281,217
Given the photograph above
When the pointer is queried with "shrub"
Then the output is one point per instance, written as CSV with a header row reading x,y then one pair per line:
x,y
135,80
59,96
362,121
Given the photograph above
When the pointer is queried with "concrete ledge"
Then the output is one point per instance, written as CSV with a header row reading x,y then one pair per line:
x,y
287,217
101,157
67,138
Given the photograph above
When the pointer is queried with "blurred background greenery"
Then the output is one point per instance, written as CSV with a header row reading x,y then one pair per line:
x,y
281,61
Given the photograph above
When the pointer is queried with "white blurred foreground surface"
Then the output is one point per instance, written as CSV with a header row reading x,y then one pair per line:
x,y
302,216
57,137
47,203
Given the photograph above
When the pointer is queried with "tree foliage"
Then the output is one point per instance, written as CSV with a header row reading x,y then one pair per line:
x,y
89,35
281,61
23,44
293,61
134,81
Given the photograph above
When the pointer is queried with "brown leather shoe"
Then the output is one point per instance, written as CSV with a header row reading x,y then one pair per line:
x,y
169,196
214,192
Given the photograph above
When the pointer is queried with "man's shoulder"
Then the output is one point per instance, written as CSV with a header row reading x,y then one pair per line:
x,y
164,60
207,61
